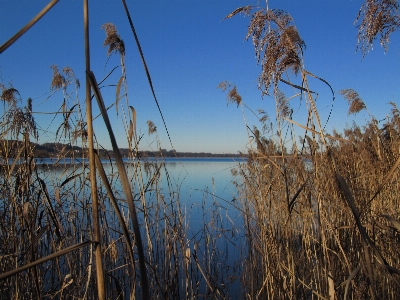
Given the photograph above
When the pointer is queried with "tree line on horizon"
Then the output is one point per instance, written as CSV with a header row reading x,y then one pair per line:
x,y
49,150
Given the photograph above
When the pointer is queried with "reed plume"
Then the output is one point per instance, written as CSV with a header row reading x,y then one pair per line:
x,y
277,44
232,96
356,104
10,96
113,40
151,127
58,81
377,17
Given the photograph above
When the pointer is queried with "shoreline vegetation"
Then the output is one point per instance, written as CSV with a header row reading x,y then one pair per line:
x,y
53,149
325,229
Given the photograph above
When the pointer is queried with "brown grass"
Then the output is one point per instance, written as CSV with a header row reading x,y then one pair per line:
x,y
316,216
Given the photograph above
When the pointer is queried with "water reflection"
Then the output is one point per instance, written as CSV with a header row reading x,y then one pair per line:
x,y
193,178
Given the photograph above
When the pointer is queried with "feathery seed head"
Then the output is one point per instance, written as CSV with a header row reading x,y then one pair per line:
x,y
354,100
277,44
152,127
58,81
10,95
283,106
223,85
113,40
377,17
232,96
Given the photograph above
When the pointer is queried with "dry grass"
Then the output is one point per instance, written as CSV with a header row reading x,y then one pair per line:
x,y
320,219
377,17
277,49
310,227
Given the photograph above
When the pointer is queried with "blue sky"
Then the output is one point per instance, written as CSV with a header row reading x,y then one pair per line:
x,y
189,51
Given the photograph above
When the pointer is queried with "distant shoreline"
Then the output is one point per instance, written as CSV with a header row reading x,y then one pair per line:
x,y
54,150
41,161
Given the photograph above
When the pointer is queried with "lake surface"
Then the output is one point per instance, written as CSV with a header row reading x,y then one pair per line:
x,y
203,186
191,173
200,182
206,184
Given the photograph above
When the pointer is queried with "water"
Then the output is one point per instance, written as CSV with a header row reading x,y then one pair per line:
x,y
194,176
204,187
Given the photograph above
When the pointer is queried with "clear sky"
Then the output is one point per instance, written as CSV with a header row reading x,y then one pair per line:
x,y
189,51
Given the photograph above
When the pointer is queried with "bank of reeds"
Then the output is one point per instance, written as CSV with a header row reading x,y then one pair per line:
x,y
324,224
321,216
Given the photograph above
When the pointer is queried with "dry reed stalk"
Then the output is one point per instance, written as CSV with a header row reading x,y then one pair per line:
x,y
323,243
146,69
27,26
302,241
114,203
125,184
92,163
42,260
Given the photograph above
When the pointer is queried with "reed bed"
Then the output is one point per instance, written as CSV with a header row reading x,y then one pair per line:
x,y
320,215
310,235
47,208
318,219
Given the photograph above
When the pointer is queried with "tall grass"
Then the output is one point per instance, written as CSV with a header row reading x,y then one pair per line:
x,y
321,216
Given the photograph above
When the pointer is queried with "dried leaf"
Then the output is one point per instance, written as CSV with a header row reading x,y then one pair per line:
x,y
349,279
130,134
395,223
69,179
133,111
57,195
44,259
117,98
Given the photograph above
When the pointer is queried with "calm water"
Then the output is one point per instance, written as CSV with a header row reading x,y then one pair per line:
x,y
205,188
200,182
205,181
192,174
